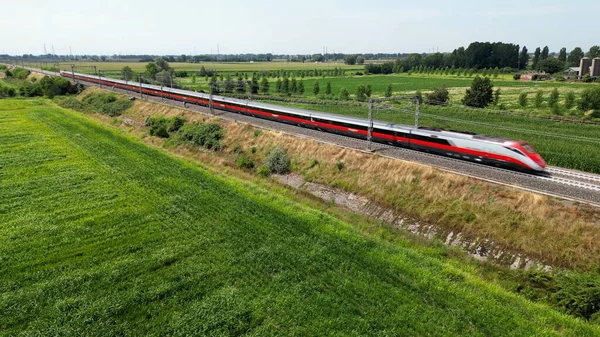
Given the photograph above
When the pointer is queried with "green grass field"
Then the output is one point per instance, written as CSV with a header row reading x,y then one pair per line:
x,y
103,235
218,66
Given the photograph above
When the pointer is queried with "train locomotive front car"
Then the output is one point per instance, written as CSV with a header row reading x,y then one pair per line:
x,y
507,153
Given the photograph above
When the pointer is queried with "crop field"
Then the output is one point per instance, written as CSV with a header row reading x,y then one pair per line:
x,y
103,235
218,66
561,144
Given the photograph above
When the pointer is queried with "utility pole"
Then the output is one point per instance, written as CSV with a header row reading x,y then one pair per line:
x,y
370,131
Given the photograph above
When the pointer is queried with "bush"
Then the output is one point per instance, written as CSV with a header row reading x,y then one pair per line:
x,y
20,73
71,103
539,99
6,91
244,162
107,104
523,99
30,90
570,100
481,93
278,161
163,127
340,165
206,135
590,99
439,95
3,67
264,171
344,94
55,86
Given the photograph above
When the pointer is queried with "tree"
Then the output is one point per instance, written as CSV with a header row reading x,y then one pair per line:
x,y
316,88
328,88
439,95
278,85
241,85
523,99
523,58
570,100
481,93
318,58
551,65
301,87
562,55
360,93
127,73
152,69
539,99
264,85
496,96
360,60
350,60
388,92
229,85
594,52
214,85
285,85
162,64
344,94
254,85
553,99
294,86
574,56
536,58
368,90
590,99
545,53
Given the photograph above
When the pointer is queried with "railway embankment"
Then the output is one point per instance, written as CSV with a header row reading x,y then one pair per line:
x,y
532,228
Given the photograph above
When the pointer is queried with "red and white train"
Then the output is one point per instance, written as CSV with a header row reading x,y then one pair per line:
x,y
508,153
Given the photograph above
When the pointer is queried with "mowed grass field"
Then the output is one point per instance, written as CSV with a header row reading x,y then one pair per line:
x,y
218,66
103,235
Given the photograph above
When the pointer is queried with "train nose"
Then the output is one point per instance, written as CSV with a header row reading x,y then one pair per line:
x,y
539,160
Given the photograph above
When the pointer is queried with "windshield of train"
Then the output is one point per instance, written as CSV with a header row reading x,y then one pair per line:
x,y
528,148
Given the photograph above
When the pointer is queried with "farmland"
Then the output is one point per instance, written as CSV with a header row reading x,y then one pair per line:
x,y
103,235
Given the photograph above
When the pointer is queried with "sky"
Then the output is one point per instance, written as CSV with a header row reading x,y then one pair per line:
x,y
192,27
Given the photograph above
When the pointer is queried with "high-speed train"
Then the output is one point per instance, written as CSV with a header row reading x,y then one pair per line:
x,y
508,153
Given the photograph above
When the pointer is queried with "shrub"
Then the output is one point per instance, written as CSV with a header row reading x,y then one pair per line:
x,y
3,67
340,165
481,93
7,91
278,161
523,99
55,86
163,127
30,90
590,99
20,73
206,135
553,99
71,103
570,100
244,162
539,99
264,171
107,104
344,94
439,95
238,149
253,149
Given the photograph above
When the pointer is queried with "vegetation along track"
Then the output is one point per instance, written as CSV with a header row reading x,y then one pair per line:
x,y
576,186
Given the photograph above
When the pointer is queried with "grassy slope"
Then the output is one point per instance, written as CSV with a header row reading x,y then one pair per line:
x,y
103,235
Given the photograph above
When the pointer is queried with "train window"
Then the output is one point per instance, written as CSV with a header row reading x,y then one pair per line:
x,y
528,148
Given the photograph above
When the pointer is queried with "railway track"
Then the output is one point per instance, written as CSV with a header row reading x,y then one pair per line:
x,y
559,182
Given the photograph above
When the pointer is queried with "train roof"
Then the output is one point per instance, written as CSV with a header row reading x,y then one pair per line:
x,y
310,113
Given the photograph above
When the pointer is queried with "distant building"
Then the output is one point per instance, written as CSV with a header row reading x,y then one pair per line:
x,y
586,66
534,76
